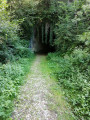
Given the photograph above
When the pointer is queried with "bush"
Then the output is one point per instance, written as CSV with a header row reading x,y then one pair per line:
x,y
71,64
15,60
22,49
11,78
73,77
73,21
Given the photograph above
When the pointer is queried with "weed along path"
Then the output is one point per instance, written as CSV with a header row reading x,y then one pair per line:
x,y
41,98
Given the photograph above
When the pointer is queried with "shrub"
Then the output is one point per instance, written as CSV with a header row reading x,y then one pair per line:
x,y
73,77
11,78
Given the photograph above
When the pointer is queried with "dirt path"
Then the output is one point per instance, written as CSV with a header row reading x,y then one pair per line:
x,y
34,99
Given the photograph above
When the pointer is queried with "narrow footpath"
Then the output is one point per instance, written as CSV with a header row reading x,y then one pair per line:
x,y
38,100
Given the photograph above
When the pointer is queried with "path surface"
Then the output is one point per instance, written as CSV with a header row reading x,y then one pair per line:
x,y
33,100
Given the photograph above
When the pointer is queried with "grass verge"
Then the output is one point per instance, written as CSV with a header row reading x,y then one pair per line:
x,y
60,106
73,77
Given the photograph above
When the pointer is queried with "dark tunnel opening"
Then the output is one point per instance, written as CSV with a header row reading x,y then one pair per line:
x,y
46,48
42,48
43,38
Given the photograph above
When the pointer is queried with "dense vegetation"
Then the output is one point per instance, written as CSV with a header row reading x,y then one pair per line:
x,y
15,60
64,25
70,64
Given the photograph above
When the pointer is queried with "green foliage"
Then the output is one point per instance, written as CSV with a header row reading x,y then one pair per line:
x,y
72,73
15,60
73,21
11,78
23,9
72,40
35,15
8,39
10,43
71,64
8,34
85,40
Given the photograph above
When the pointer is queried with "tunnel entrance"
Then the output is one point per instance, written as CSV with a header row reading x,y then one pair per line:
x,y
42,48
43,38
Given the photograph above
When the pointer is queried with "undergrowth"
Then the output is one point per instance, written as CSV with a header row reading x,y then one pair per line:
x,y
60,106
15,59
12,77
72,74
